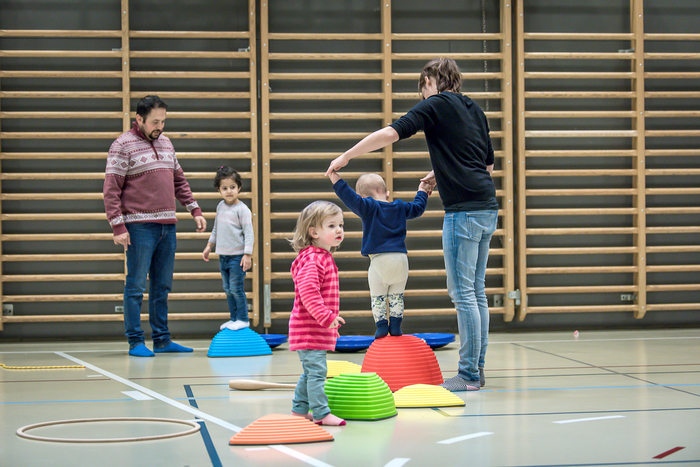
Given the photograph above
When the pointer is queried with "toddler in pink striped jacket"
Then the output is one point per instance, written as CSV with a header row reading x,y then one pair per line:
x,y
314,322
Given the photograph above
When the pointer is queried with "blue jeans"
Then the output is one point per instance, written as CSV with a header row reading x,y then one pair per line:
x,y
151,254
310,393
465,241
233,276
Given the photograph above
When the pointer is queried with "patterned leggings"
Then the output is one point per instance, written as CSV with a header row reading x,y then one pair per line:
x,y
388,273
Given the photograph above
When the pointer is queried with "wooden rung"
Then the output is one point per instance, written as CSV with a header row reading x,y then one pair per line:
x,y
63,298
59,33
61,53
671,56
51,196
53,176
579,95
59,74
325,56
672,37
445,36
673,133
317,96
583,192
672,113
582,212
579,55
577,36
581,173
56,155
579,114
476,95
583,270
60,95
191,75
53,217
318,136
673,249
672,152
322,155
52,115
672,75
672,191
326,76
673,306
62,277
674,229
190,34
194,94
326,116
685,172
583,231
452,55
598,250
325,37
672,287
582,153
584,289
368,313
468,76
212,115
578,75
198,54
675,267
58,135
62,258
582,309
116,317
672,94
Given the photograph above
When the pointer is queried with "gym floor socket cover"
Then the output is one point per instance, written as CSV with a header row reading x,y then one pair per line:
x,y
280,429
242,343
360,396
338,367
426,395
402,361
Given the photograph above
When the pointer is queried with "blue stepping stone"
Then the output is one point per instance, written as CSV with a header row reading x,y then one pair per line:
x,y
273,340
242,343
353,343
436,339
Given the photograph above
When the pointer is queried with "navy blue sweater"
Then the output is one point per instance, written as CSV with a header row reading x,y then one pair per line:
x,y
383,223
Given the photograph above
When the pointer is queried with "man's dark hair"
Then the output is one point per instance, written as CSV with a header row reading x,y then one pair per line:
x,y
225,172
149,103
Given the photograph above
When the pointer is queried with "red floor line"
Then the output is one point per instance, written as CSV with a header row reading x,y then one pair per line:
x,y
669,452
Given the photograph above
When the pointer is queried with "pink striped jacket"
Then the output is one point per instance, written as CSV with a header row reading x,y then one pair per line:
x,y
316,300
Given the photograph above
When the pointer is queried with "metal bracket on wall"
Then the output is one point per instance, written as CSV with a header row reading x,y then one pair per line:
x,y
515,295
8,309
267,306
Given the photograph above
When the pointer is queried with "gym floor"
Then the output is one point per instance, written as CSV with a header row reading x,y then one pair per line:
x,y
604,398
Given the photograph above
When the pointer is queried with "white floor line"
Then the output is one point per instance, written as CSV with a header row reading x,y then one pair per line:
x,y
190,409
397,462
137,395
588,419
465,437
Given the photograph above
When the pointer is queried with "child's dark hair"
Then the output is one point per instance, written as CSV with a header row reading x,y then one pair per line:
x,y
225,172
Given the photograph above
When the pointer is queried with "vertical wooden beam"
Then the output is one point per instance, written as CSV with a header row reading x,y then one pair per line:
x,y
507,148
387,103
126,65
252,22
1,284
637,25
520,158
265,135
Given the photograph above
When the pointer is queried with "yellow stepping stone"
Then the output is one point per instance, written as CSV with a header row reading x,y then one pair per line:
x,y
339,367
426,395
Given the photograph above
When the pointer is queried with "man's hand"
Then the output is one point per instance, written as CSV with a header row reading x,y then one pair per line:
x,y
201,223
246,262
123,239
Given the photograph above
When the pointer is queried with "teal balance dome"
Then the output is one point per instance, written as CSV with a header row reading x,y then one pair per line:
x,y
242,343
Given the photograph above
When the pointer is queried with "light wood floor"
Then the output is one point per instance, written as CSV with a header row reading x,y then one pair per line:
x,y
606,398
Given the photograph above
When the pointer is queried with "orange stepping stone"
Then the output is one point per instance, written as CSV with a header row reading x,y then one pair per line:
x,y
280,429
402,361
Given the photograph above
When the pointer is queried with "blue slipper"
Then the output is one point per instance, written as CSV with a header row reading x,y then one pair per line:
x,y
172,348
141,351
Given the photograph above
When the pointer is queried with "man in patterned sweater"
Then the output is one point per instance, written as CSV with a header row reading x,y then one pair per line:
x,y
142,180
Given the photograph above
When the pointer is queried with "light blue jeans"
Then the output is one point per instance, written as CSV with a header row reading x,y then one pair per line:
x,y
310,392
233,276
465,241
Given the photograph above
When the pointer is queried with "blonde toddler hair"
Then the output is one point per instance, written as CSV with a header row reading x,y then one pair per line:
x,y
312,216
369,184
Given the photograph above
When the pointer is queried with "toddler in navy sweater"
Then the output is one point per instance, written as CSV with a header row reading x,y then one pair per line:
x,y
384,242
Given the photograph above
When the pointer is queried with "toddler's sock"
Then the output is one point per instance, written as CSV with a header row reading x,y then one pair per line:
x,y
141,351
382,329
330,420
172,348
395,326
227,325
